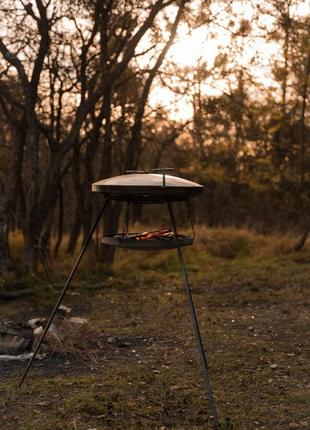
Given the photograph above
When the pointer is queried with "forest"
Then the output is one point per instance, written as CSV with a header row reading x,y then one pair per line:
x,y
217,91
89,90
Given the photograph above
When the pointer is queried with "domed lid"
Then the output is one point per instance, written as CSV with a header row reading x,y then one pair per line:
x,y
147,187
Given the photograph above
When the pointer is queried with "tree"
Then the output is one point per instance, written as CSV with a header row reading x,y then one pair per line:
x,y
67,91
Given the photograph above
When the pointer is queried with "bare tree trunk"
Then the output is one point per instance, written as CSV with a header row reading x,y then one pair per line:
x,y
9,199
5,260
210,207
91,149
75,231
303,238
304,217
111,222
33,190
60,221
45,241
79,196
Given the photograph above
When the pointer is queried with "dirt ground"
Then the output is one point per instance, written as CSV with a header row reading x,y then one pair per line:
x,y
135,365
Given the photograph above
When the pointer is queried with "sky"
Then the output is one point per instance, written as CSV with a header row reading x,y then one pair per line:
x,y
206,42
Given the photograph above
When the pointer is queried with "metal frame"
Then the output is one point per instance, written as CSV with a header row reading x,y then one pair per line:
x,y
188,292
200,347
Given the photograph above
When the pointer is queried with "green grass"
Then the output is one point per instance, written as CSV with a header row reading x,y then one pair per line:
x,y
252,298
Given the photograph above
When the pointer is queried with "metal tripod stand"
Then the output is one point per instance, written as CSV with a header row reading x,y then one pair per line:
x,y
188,291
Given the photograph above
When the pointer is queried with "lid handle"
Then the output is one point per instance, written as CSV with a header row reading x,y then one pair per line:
x,y
163,170
136,171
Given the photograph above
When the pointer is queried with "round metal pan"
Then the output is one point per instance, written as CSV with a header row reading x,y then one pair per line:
x,y
145,245
147,188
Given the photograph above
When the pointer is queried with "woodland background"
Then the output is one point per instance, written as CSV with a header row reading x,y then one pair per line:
x,y
91,88
76,82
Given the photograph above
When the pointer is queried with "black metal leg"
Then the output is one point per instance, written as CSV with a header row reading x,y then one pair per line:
x,y
200,347
62,294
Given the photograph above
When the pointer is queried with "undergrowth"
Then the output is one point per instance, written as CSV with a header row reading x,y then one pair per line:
x,y
227,244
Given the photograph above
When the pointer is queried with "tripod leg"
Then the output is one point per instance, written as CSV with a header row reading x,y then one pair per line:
x,y
62,294
200,347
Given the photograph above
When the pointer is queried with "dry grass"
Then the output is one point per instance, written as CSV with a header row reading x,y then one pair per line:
x,y
221,242
73,339
252,297
231,243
